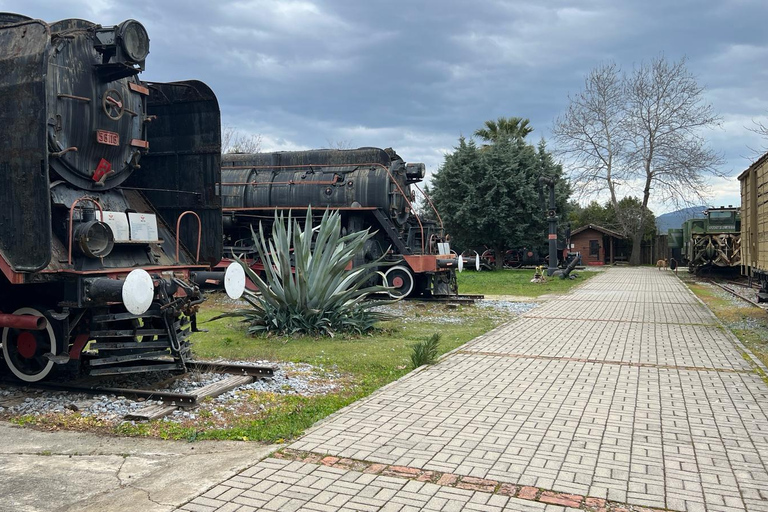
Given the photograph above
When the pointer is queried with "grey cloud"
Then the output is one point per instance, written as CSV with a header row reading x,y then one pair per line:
x,y
417,74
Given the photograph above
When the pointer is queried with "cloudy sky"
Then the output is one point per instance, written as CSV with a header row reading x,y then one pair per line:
x,y
415,75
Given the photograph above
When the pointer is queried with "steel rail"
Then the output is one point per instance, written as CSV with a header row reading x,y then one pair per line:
x,y
167,397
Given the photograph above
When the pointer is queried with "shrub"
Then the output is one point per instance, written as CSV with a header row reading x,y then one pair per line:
x,y
425,352
306,288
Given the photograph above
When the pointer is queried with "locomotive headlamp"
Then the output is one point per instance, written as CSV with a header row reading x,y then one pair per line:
x,y
123,49
415,171
94,238
134,40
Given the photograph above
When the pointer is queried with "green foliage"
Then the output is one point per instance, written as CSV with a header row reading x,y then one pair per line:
x,y
594,213
318,295
630,216
509,128
492,196
426,352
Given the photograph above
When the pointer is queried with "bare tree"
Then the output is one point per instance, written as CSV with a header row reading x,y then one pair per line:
x,y
641,129
339,144
590,134
234,141
761,129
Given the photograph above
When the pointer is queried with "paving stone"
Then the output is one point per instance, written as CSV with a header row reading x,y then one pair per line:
x,y
626,389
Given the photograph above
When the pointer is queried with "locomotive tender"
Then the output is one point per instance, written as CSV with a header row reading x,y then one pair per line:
x,y
370,187
99,172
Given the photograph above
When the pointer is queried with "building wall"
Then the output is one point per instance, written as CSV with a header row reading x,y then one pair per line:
x,y
581,244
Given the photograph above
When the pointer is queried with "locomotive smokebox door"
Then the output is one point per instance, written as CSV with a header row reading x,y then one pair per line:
x,y
96,121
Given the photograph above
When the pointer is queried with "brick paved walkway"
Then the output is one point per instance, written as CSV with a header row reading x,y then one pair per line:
x,y
624,395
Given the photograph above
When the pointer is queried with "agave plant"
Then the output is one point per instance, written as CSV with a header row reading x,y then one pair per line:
x,y
306,286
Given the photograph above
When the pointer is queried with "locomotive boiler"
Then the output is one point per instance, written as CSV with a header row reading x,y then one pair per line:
x,y
371,188
99,173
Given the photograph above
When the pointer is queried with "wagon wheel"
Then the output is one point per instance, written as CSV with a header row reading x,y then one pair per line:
x,y
24,351
401,279
515,260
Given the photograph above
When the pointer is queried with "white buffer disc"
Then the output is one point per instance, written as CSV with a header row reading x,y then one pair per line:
x,y
234,280
138,291
461,263
477,262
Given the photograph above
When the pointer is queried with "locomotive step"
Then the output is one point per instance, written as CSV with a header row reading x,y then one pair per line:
x,y
116,317
143,356
120,370
129,344
128,333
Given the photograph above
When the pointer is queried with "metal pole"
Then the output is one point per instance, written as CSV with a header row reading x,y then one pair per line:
x,y
552,221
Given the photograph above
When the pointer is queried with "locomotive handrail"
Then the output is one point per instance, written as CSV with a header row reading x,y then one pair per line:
x,y
199,234
71,222
432,205
299,166
402,193
334,181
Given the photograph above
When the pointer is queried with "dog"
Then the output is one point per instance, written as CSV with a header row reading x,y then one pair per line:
x,y
661,264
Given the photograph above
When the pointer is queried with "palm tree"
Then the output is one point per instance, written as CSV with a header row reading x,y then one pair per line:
x,y
504,127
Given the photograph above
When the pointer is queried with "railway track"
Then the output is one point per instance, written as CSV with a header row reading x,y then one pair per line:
x,y
728,287
453,299
241,374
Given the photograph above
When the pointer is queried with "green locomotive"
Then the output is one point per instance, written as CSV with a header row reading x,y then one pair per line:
x,y
713,241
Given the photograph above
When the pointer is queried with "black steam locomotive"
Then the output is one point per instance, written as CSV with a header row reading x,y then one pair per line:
x,y
99,171
370,187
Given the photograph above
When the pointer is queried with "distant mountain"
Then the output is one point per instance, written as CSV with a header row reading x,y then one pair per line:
x,y
674,220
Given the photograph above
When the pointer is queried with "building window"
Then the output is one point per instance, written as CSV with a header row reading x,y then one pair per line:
x,y
594,248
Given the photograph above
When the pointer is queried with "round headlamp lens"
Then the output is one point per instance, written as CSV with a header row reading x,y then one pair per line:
x,y
134,40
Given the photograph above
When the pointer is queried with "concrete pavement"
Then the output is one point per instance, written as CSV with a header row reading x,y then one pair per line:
x,y
626,394
72,471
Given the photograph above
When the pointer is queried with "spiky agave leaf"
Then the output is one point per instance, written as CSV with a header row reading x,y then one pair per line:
x,y
319,296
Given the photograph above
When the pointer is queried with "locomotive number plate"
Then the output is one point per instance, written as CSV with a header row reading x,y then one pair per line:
x,y
109,138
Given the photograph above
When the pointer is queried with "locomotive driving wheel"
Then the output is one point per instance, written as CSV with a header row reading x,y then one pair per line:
x,y
400,279
24,351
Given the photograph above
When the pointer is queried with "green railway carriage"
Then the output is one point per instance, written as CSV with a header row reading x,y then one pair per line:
x,y
713,241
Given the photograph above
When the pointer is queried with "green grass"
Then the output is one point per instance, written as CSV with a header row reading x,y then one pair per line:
x,y
285,420
515,282
367,363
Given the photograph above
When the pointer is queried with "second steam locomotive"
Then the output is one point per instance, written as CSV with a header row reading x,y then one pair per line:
x,y
371,188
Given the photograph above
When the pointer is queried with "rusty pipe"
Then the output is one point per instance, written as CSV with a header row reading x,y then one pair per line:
x,y
24,322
